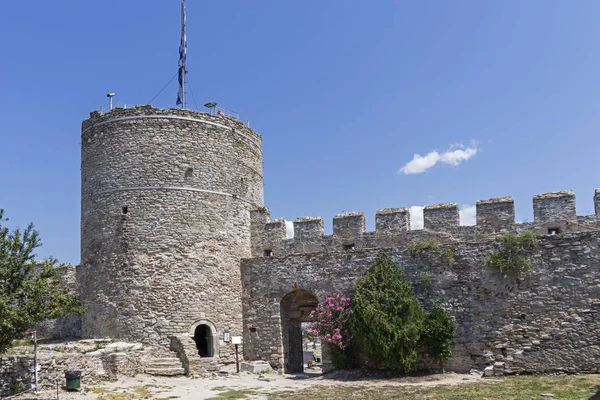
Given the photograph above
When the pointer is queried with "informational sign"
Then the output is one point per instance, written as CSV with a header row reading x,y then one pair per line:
x,y
236,340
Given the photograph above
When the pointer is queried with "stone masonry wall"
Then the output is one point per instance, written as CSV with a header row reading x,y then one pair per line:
x,y
166,199
63,327
547,320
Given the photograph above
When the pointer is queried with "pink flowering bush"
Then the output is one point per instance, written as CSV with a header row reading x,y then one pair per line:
x,y
329,321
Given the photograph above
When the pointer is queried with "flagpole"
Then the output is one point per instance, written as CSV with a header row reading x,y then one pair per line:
x,y
183,51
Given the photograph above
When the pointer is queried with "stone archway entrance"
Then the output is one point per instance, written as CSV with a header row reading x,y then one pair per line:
x,y
203,338
296,306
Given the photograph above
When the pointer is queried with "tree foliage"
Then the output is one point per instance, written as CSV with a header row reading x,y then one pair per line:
x,y
437,334
385,318
29,290
512,257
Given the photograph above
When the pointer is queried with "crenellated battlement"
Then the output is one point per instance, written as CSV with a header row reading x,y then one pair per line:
x,y
442,217
554,213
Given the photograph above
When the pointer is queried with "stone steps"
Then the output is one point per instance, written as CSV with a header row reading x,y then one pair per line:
x,y
165,363
165,371
192,362
165,366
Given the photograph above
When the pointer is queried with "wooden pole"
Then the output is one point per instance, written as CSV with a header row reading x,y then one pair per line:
x,y
35,360
237,362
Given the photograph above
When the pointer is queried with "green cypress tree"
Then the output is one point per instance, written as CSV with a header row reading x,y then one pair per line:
x,y
386,319
438,331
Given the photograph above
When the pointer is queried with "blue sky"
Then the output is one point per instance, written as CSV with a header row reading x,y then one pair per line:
x,y
345,93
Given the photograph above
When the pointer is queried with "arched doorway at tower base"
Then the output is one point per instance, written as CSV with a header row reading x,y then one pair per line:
x,y
204,334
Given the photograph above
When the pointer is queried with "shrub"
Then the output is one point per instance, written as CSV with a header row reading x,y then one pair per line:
x,y
437,334
329,321
385,318
345,358
513,255
425,280
424,246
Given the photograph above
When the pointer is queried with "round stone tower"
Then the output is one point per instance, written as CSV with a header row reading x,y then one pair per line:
x,y
165,220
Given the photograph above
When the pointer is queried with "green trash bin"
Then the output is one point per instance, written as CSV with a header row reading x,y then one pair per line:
x,y
73,379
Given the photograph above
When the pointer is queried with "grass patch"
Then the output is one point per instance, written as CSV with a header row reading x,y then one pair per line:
x,y
142,392
98,390
22,342
118,396
139,392
511,388
232,394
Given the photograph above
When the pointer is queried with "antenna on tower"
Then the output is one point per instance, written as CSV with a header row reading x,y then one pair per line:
x,y
182,57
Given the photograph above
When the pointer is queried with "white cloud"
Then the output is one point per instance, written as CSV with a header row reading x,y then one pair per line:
x,y
289,229
455,155
467,215
416,217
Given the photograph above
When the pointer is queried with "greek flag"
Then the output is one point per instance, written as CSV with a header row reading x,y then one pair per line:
x,y
182,55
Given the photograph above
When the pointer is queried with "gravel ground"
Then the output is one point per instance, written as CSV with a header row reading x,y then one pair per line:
x,y
257,386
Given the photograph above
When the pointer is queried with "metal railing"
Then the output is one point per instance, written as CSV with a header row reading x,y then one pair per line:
x,y
217,110
224,111
116,104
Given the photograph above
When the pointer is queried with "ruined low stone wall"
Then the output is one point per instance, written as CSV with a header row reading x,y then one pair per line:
x,y
545,321
16,371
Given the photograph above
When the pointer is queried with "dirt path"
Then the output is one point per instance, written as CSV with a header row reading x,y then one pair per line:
x,y
252,385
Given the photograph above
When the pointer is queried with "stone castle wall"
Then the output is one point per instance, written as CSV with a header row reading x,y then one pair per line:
x,y
66,327
553,212
547,320
166,200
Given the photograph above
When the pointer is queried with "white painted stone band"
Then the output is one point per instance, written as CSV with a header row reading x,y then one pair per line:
x,y
173,117
126,189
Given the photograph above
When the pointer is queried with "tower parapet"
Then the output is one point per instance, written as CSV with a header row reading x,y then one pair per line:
x,y
597,203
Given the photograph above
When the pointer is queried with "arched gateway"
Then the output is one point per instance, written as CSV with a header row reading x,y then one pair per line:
x,y
296,307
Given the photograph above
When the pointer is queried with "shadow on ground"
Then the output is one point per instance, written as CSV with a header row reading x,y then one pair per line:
x,y
366,374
